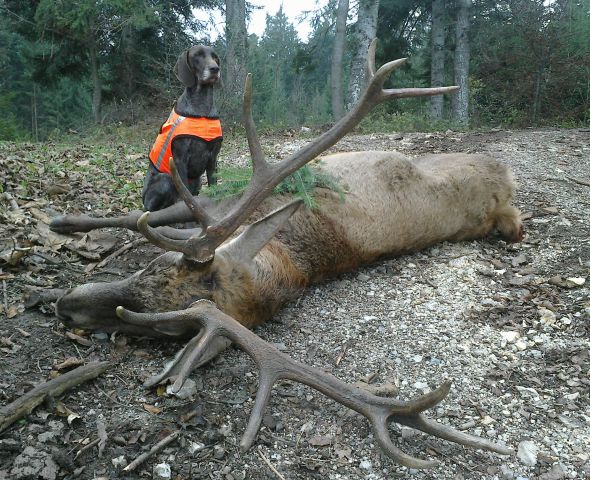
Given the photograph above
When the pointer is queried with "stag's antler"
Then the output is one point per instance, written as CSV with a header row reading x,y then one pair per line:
x,y
266,176
275,365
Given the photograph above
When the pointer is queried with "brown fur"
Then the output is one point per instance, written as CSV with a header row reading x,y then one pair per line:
x,y
392,206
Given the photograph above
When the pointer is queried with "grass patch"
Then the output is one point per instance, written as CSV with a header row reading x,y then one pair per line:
x,y
301,184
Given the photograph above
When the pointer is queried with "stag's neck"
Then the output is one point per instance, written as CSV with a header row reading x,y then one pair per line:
x,y
283,269
197,101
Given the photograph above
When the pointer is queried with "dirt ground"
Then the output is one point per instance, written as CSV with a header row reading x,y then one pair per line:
x,y
508,323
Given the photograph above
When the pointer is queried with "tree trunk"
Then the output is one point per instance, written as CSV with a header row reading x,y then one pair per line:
x,y
34,117
336,76
437,67
235,60
460,100
96,83
365,30
536,107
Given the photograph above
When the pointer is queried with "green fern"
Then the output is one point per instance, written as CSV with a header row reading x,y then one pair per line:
x,y
233,181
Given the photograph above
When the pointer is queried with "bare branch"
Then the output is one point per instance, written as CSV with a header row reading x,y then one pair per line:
x,y
54,388
155,449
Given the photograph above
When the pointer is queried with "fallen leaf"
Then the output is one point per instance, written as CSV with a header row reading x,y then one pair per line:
x,y
50,239
386,389
343,451
40,215
58,189
519,260
321,440
64,411
69,363
151,408
23,332
573,282
97,242
78,339
7,342
12,256
14,310
161,391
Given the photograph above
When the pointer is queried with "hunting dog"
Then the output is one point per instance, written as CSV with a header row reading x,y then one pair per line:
x,y
191,135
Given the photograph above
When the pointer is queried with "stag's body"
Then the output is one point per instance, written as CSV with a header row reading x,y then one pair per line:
x,y
396,206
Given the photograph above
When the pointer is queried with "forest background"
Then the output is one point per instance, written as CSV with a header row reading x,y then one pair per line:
x,y
82,67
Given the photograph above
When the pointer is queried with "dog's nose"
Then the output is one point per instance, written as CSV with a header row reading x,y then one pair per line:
x,y
214,69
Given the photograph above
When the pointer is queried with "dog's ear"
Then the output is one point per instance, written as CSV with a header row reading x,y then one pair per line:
x,y
183,71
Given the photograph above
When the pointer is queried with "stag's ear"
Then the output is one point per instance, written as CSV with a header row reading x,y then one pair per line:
x,y
183,71
255,236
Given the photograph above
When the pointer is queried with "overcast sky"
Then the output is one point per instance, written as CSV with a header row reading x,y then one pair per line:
x,y
292,8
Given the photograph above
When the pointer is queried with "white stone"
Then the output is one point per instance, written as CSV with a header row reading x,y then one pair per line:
x,y
509,336
162,471
119,462
487,420
195,447
188,389
421,386
547,316
527,453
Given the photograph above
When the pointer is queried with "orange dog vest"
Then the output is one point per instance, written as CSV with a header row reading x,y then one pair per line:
x,y
204,128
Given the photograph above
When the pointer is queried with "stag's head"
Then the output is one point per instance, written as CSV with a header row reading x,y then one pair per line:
x,y
176,279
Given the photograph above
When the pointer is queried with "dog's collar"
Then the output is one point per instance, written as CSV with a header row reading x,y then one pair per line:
x,y
213,117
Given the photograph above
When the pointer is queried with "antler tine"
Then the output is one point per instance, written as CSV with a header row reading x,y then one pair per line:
x,y
426,425
197,352
197,211
158,239
275,365
256,153
201,254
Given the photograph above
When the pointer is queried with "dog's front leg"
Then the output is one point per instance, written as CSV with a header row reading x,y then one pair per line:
x,y
212,164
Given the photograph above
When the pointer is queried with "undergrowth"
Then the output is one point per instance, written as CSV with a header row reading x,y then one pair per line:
x,y
235,180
